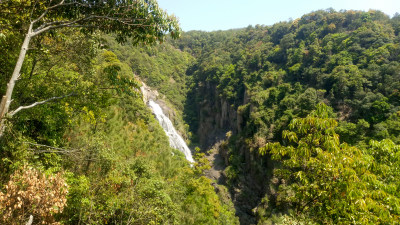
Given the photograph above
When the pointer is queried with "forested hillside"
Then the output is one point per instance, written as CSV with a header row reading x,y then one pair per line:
x,y
312,106
304,115
78,144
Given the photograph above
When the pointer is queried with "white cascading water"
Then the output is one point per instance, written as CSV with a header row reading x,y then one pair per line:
x,y
175,140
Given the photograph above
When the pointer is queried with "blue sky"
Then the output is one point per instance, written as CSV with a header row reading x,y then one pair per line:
x,y
209,15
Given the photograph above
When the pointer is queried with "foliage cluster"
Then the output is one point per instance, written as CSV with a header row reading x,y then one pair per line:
x,y
317,118
326,167
97,135
163,68
31,193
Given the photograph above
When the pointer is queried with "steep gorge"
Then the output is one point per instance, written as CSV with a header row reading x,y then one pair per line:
x,y
241,89
218,123
247,85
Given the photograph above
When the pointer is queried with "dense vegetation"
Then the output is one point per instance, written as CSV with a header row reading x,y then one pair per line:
x,y
317,113
162,67
310,109
90,151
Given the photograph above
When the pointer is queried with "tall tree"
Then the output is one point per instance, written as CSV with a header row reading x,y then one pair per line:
x,y
333,182
142,20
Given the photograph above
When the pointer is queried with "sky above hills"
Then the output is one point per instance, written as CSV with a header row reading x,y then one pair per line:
x,y
210,15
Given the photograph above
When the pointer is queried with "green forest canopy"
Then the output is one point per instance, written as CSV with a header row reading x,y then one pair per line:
x,y
317,97
95,155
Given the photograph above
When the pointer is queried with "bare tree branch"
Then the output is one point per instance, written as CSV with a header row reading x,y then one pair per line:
x,y
33,9
12,113
47,10
55,149
76,23
51,149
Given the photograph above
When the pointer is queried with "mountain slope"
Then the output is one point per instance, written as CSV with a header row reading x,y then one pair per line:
x,y
257,81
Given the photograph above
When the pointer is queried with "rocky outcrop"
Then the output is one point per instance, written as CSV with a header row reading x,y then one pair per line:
x,y
216,116
149,93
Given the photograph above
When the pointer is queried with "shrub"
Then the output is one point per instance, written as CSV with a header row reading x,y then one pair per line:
x,y
30,192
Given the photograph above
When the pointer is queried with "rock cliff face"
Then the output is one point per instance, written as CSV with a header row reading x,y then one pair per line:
x,y
152,94
217,117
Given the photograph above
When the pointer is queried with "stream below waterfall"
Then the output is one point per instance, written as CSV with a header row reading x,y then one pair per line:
x,y
175,140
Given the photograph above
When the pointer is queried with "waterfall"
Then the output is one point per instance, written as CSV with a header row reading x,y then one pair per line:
x,y
175,140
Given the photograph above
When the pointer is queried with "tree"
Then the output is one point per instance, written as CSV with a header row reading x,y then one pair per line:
x,y
142,20
333,182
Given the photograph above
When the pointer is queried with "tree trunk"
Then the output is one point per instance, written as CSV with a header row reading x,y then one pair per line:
x,y
6,100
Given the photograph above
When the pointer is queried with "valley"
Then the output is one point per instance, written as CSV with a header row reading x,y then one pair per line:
x,y
292,123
